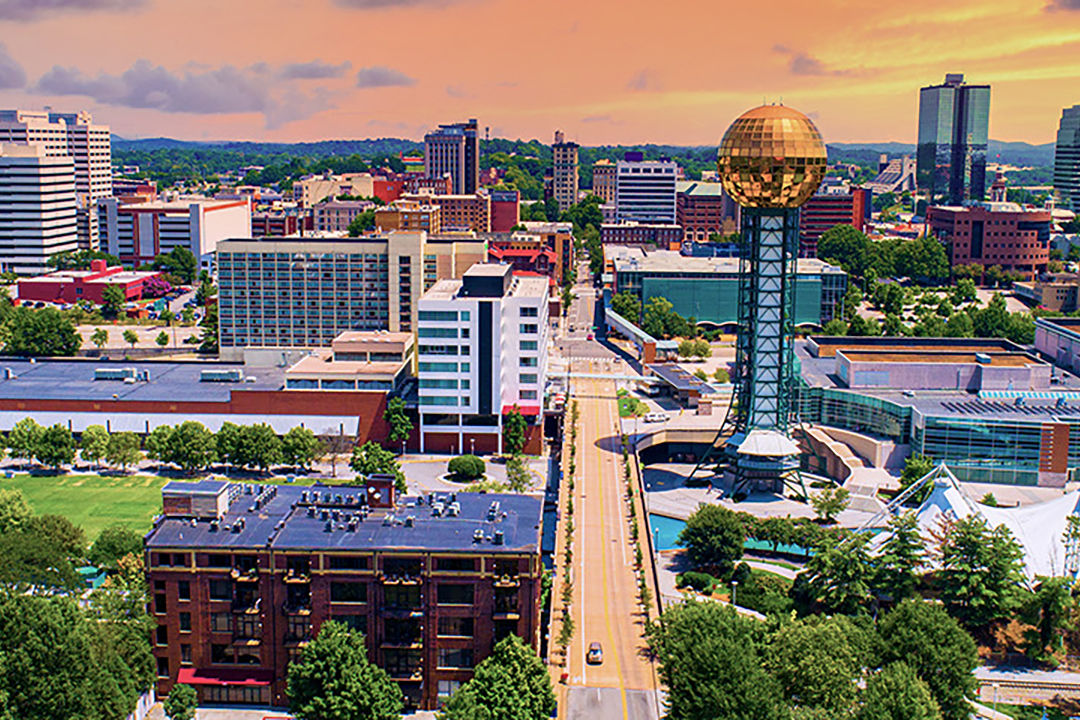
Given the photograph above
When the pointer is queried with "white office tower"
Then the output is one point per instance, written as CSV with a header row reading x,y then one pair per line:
x,y
74,135
1067,158
37,207
482,350
645,190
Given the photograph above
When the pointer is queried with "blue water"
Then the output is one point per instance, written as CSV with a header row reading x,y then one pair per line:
x,y
666,532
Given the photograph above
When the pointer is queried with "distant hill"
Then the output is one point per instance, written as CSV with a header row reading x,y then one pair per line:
x,y
1010,153
379,146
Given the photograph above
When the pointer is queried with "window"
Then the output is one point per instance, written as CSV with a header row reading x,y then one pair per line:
x,y
447,688
435,384
527,395
185,654
219,560
527,345
163,667
527,379
298,628
349,592
220,590
349,562
453,657
430,332
450,594
161,636
465,367
465,333
456,626
527,312
160,603
220,622
527,328
183,590
527,361
353,622
455,564
248,626
445,401
438,315
185,622
219,654
464,314
440,367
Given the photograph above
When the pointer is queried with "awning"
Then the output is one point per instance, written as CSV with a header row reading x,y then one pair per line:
x,y
523,409
234,677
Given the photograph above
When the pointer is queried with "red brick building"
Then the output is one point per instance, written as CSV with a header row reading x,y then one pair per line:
x,y
664,237
703,209
995,233
505,212
71,286
242,577
829,208
279,224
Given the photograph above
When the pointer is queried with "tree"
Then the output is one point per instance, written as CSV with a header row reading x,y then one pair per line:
x,y
362,223
709,662
1050,609
686,348
829,503
131,337
701,348
972,272
510,684
514,428
94,442
981,572
299,447
56,446
897,693
713,538
853,298
333,680
123,450
262,445
816,663
162,339
370,458
836,578
180,262
181,703
900,557
229,442
113,300
14,510
100,337
67,537
923,259
466,468
627,305
934,645
157,443
834,328
661,320
205,292
24,439
113,543
397,418
960,325
191,446
861,327
964,291
517,475
208,338
916,467
44,332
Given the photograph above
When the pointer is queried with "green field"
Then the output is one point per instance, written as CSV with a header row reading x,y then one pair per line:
x,y
91,501
630,406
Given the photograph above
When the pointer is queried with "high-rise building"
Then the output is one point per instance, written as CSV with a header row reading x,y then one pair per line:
x,y
73,134
565,160
482,351
1067,157
830,206
454,149
954,122
603,180
37,207
645,189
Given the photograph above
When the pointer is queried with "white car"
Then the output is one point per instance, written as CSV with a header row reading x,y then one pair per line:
x,y
656,417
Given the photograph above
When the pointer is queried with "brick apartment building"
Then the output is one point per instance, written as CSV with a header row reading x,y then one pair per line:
x,y
828,208
243,576
661,235
704,209
995,233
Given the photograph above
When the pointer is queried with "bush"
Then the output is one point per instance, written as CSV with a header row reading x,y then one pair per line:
x,y
765,592
466,468
696,580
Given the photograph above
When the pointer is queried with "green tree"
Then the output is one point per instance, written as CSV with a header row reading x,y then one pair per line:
x,y
713,538
24,439
934,645
514,429
517,475
229,442
836,578
627,305
181,703
701,348
333,680
395,415
205,292
853,298
100,337
157,443
466,468
180,262
897,693
686,348
901,556
362,223
113,543
55,447
208,337
861,327
162,339
131,337
14,510
829,503
893,326
846,246
709,662
960,325
113,300
1050,609
964,291
299,447
263,446
191,446
817,664
923,259
37,333
123,450
93,443
510,684
835,328
916,467
981,572
370,458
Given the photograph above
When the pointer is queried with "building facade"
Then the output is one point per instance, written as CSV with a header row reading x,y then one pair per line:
x,y
461,212
242,577
1067,158
72,286
336,215
38,215
954,122
412,215
454,150
703,209
603,180
995,233
505,210
645,189
659,235
1053,291
88,145
829,207
277,224
565,166
482,344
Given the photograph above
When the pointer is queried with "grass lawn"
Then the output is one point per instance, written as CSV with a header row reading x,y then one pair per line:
x,y
630,406
1029,712
91,501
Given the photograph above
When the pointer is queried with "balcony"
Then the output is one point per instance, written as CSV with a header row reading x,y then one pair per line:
x,y
399,579
404,643
505,614
247,606
249,575
297,577
407,674
296,608
246,642
507,581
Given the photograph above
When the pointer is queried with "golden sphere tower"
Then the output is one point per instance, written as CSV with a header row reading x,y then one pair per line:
x,y
771,160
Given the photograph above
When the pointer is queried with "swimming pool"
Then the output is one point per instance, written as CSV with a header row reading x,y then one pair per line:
x,y
666,532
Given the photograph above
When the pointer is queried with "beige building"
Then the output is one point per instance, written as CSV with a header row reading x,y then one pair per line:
x,y
603,180
565,160
37,207
336,215
310,191
357,360
76,136
409,215
460,212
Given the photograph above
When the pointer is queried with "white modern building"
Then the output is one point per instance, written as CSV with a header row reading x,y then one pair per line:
x,y
76,136
482,351
645,189
138,232
1067,157
37,207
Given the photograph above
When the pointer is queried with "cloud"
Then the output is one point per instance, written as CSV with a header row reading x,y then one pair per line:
x,y
804,64
456,91
382,76
380,4
223,90
12,76
644,81
314,70
1055,5
600,119
34,9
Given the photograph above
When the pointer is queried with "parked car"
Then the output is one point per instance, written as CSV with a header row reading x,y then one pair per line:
x,y
595,655
656,417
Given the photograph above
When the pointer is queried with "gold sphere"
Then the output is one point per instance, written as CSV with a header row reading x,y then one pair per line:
x,y
771,157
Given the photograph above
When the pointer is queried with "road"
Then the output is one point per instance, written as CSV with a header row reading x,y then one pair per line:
x,y
605,607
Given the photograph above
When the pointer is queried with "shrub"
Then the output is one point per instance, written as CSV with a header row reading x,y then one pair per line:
x,y
466,468
697,580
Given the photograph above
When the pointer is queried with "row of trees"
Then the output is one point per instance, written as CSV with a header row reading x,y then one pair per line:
x,y
923,259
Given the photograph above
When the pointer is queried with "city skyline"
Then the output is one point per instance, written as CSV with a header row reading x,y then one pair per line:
x,y
305,71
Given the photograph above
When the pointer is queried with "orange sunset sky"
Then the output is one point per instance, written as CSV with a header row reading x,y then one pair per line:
x,y
610,71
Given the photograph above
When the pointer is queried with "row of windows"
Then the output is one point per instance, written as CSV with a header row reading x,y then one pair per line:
x,y
440,384
444,367
443,401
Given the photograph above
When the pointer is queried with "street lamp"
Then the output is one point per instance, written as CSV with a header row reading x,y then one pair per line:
x,y
734,584
995,686
472,446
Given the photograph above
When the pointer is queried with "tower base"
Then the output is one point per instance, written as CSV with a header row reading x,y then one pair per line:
x,y
761,461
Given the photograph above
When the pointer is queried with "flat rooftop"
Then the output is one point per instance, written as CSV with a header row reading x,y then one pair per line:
x,y
680,379
522,286
324,364
288,521
73,379
632,259
825,346
923,356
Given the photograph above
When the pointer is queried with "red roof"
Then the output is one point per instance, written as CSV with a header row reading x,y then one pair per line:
x,y
236,677
523,409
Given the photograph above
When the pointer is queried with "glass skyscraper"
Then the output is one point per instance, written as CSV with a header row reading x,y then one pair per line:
x,y
954,122
1067,157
